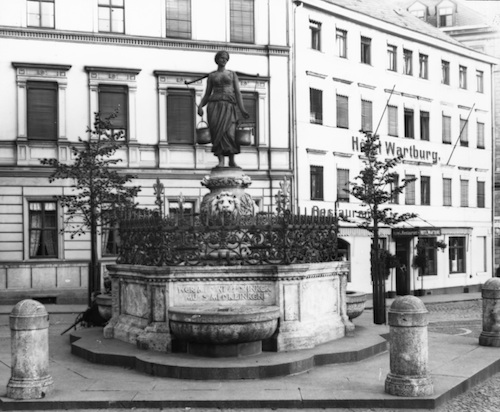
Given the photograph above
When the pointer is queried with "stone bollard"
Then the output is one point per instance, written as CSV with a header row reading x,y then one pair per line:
x,y
408,349
29,325
490,336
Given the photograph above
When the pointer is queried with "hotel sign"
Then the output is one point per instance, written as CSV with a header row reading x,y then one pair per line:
x,y
415,231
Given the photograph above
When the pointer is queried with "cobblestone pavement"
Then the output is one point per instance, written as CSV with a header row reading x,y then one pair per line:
x,y
455,318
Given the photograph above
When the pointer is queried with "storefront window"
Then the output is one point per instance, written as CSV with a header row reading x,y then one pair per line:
x,y
457,254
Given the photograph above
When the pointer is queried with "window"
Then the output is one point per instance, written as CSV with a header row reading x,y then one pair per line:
x,y
424,126
179,19
315,28
343,185
456,252
409,125
464,193
342,112
110,240
180,116
43,229
446,129
393,185
316,100
114,99
42,110
392,56
408,62
341,39
242,21
423,65
445,72
480,135
410,191
111,16
479,81
425,190
366,52
462,77
174,209
419,13
41,13
392,116
482,255
366,116
430,253
446,191
250,101
480,194
464,134
316,182
445,16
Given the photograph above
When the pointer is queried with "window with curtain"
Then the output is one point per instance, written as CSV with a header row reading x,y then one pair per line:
x,y
42,110
343,185
464,133
464,193
316,104
342,111
446,129
366,116
462,77
114,99
408,62
480,135
111,16
42,229
393,185
481,194
315,29
366,50
316,174
409,123
180,116
250,101
392,118
445,72
424,126
423,64
430,252
479,81
40,13
425,190
392,58
446,191
242,21
178,18
341,39
110,240
410,191
457,253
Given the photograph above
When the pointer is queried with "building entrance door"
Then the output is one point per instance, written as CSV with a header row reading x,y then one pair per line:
x,y
403,286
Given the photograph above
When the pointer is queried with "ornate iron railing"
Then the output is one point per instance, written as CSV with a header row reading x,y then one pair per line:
x,y
285,238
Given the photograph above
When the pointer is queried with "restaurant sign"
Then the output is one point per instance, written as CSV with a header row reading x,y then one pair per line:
x,y
415,231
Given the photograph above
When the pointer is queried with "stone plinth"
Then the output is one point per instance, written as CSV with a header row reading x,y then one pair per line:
x,y
490,336
218,331
310,298
29,325
408,349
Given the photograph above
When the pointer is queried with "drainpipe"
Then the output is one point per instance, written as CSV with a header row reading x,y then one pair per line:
x,y
493,168
269,154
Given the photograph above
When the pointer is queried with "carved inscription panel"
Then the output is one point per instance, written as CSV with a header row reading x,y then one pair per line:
x,y
224,293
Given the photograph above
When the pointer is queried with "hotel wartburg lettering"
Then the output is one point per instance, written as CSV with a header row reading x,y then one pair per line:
x,y
411,152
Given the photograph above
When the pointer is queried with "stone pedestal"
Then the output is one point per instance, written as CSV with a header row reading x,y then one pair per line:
x,y
490,336
29,325
408,349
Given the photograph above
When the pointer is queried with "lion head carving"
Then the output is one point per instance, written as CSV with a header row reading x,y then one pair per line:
x,y
225,203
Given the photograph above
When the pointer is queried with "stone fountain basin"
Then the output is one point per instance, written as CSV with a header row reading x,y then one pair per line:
x,y
218,325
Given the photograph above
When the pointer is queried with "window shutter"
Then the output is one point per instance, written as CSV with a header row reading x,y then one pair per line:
x,y
480,135
446,129
342,185
342,111
480,194
410,191
180,116
242,21
446,192
179,18
112,98
392,120
42,110
424,126
366,116
464,193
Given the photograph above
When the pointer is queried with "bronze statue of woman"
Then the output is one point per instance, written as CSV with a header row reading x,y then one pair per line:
x,y
222,95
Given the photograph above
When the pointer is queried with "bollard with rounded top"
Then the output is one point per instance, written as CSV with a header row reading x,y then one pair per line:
x,y
408,349
490,292
29,326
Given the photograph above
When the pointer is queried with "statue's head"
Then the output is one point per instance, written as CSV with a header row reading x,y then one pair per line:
x,y
221,53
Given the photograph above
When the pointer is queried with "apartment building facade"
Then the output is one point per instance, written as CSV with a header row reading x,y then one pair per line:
x,y
373,67
64,60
